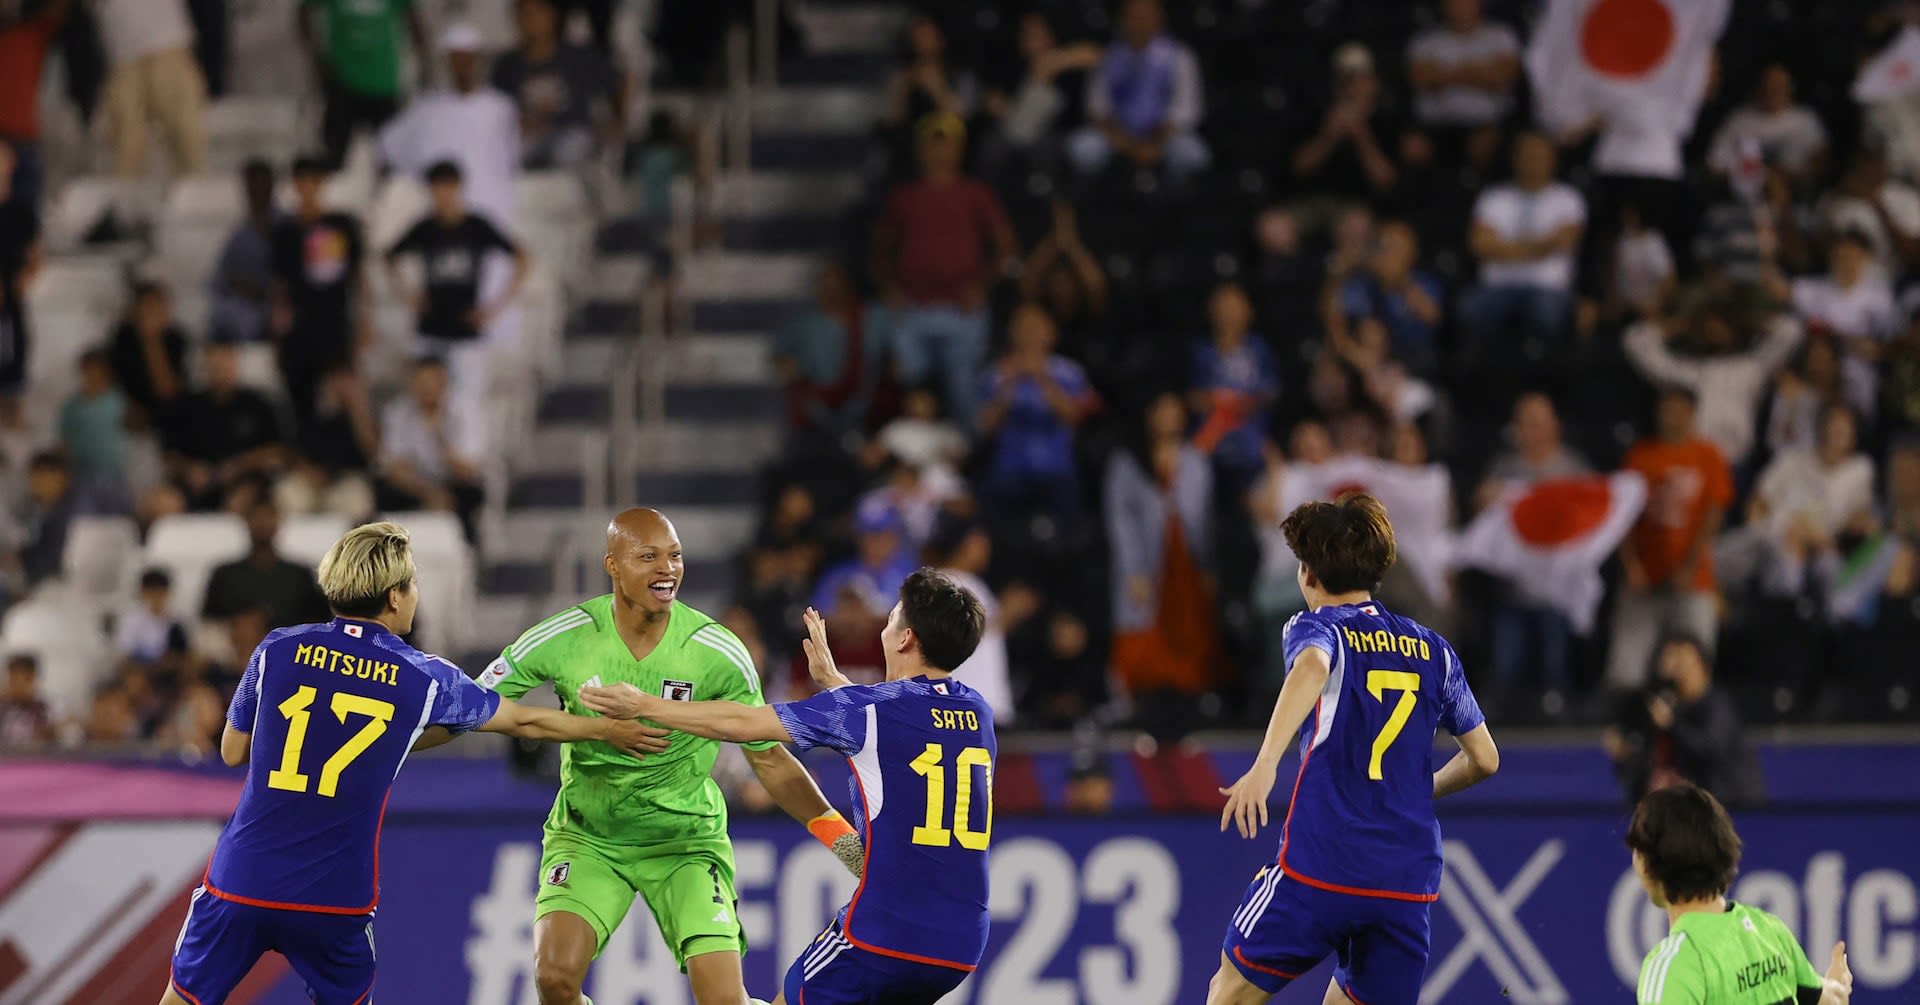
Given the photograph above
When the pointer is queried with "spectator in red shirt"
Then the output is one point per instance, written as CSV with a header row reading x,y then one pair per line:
x,y
1669,587
932,262
25,38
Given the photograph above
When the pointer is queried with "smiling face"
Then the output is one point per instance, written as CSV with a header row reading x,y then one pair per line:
x,y
644,561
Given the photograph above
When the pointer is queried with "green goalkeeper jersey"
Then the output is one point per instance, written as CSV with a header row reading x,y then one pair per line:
x,y
1740,956
607,795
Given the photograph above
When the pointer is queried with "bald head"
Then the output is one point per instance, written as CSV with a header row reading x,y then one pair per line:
x,y
640,526
644,562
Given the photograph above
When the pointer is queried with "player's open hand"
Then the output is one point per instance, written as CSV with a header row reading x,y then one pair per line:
x,y
635,738
1838,986
619,701
819,657
1247,801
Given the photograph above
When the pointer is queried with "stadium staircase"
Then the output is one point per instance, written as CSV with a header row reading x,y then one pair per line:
x,y
774,212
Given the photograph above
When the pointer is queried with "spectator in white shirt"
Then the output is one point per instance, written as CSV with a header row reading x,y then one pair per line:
x,y
1883,209
1143,100
1524,233
148,633
471,124
1790,137
1725,378
1803,501
1642,277
1852,303
1464,71
154,81
432,452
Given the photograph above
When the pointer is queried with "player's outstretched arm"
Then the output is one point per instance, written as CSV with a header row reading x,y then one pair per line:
x,y
820,665
532,723
1476,762
1247,798
716,720
793,790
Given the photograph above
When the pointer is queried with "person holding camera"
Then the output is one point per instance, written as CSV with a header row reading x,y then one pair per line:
x,y
1682,728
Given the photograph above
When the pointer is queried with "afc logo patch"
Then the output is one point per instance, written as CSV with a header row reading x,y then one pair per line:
x,y
557,876
676,690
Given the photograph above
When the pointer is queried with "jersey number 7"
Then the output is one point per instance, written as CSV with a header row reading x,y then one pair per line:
x,y
297,710
1379,682
929,764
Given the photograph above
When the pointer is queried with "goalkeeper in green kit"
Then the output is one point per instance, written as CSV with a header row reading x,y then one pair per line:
x,y
656,828
1718,952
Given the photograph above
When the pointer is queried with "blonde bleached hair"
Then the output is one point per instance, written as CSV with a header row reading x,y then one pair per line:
x,y
366,563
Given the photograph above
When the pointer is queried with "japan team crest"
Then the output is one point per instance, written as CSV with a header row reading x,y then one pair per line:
x,y
676,690
557,876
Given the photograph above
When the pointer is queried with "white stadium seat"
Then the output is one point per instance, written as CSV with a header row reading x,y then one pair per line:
x,y
399,203
446,567
102,559
70,644
190,545
305,538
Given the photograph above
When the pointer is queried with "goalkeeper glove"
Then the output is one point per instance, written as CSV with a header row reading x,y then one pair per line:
x,y
831,829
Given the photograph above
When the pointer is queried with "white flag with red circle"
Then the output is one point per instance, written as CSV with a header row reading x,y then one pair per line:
x,y
1894,73
1632,61
1551,537
1418,499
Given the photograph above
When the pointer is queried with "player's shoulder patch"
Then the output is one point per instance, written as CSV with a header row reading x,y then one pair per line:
x,y
558,873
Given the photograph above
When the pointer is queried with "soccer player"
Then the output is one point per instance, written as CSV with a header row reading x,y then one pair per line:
x,y
922,742
1718,952
1359,863
657,829
333,709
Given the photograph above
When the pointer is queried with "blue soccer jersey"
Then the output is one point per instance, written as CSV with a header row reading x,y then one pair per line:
x,y
333,709
1361,818
922,753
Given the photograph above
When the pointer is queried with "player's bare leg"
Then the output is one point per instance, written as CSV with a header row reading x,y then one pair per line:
x,y
716,979
1335,996
1228,987
563,948
172,997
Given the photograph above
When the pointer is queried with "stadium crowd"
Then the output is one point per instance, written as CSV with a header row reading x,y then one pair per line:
x,y
1121,269
1130,265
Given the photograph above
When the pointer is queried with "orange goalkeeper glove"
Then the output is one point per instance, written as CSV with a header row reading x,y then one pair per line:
x,y
831,829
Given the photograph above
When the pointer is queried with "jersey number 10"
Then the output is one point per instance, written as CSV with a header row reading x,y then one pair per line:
x,y
1379,682
297,710
929,764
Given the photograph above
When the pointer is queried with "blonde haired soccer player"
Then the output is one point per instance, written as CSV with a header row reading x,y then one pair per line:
x,y
657,829
333,709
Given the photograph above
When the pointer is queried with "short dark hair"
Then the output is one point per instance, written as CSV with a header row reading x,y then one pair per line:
x,y
945,616
443,171
26,663
95,357
1346,544
156,579
257,167
145,288
311,165
1686,842
54,459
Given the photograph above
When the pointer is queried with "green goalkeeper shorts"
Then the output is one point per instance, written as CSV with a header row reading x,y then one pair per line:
x,y
688,887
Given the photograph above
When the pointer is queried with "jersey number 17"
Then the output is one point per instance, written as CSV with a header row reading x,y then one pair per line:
x,y
298,713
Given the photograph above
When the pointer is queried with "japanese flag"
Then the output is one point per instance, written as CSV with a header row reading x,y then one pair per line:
x,y
1643,62
1418,498
1894,73
1551,537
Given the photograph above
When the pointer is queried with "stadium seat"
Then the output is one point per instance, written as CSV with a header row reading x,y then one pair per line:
x,y
101,560
70,643
260,369
554,223
306,538
445,561
190,545
399,203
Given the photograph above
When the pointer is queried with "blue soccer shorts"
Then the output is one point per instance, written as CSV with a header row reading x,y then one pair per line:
x,y
1284,928
834,971
222,940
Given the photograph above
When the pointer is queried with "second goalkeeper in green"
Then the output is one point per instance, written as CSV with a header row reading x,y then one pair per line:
x,y
656,828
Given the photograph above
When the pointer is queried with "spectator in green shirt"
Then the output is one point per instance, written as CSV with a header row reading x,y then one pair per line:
x,y
355,50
